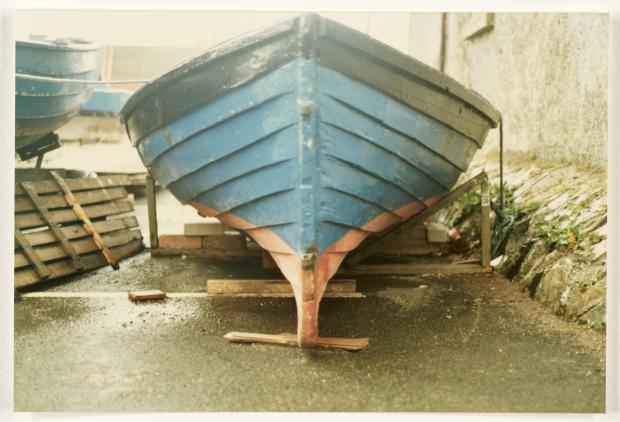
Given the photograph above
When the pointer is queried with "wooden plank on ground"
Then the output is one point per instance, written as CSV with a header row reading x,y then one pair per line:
x,y
232,287
81,246
287,339
146,295
22,204
413,269
32,219
77,231
31,256
78,184
62,268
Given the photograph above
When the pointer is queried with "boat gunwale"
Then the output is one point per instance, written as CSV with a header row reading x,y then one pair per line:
x,y
327,28
71,47
207,57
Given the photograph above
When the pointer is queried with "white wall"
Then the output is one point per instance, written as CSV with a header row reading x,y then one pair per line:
x,y
193,29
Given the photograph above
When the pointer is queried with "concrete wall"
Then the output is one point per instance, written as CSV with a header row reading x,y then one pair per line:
x,y
546,73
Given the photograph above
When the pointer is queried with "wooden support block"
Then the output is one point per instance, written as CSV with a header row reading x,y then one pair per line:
x,y
416,232
437,232
233,287
146,295
215,254
151,205
410,247
267,261
178,241
485,224
203,229
287,339
411,269
224,241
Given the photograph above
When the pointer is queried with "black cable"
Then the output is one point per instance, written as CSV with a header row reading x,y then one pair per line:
x,y
501,164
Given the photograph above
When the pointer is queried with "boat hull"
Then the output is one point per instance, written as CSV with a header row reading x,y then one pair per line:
x,y
302,155
46,94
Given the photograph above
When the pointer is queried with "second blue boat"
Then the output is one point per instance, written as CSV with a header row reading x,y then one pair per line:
x,y
48,91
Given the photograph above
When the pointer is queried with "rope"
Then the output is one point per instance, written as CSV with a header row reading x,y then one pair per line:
x,y
504,222
80,81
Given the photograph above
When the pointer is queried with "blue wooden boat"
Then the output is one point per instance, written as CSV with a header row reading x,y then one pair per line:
x,y
309,136
48,91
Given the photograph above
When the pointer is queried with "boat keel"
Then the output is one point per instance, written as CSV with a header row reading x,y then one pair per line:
x,y
307,310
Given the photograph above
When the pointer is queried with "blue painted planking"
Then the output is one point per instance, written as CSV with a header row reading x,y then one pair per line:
x,y
51,58
35,87
247,97
49,106
42,106
247,153
393,115
221,140
244,160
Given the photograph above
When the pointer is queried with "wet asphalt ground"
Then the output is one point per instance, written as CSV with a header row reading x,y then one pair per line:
x,y
451,344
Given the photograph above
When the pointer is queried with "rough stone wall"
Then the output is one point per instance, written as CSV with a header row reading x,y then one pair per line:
x,y
546,73
556,247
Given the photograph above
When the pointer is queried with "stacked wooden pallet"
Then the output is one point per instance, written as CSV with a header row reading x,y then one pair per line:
x,y
64,226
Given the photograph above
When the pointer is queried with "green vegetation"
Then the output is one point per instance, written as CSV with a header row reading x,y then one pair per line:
x,y
470,203
559,232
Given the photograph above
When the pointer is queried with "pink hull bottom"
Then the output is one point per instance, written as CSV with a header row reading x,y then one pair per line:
x,y
309,279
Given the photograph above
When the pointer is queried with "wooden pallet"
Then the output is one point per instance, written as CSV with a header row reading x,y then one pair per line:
x,y
64,226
